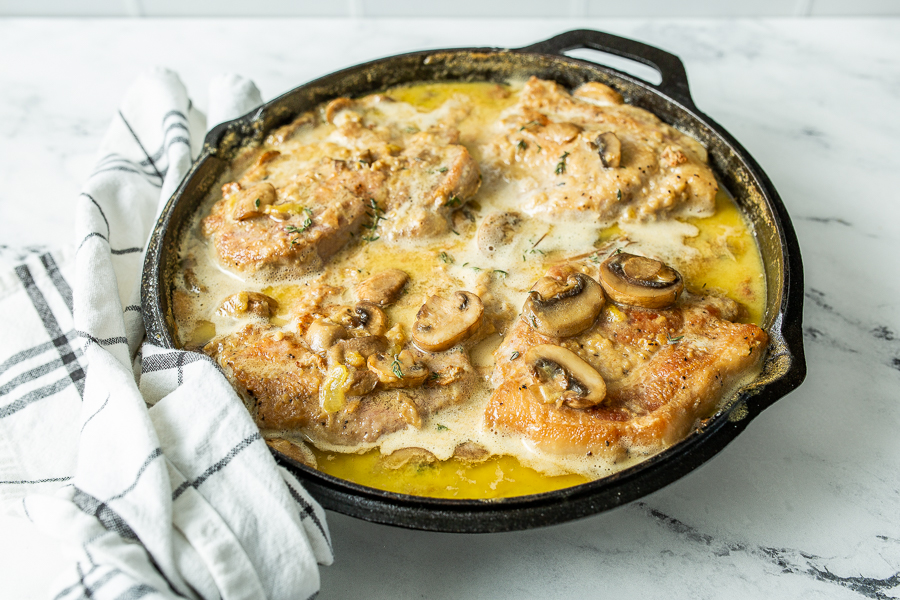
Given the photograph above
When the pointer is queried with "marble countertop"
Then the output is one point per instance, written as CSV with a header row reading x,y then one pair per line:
x,y
805,503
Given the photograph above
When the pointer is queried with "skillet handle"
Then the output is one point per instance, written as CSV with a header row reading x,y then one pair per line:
x,y
674,78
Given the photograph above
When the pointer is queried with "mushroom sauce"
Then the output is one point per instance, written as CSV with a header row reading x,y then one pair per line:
x,y
493,220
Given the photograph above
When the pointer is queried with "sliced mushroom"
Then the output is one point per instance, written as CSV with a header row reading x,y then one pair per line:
x,y
564,377
353,354
496,230
295,450
252,201
323,334
442,323
397,371
344,351
471,452
564,303
248,303
336,106
610,150
560,133
365,316
382,288
640,281
412,456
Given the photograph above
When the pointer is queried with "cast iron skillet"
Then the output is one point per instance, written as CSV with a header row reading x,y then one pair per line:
x,y
784,367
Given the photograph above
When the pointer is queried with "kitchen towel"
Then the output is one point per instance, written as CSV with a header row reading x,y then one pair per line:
x,y
141,460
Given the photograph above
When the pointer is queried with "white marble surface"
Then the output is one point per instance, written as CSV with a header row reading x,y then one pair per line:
x,y
805,503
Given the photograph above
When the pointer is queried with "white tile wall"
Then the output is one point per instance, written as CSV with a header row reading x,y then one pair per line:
x,y
451,8
844,8
65,8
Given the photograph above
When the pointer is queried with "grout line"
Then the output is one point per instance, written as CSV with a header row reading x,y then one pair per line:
x,y
578,8
803,8
133,8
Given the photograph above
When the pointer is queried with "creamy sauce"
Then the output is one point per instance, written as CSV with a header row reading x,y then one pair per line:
x,y
716,254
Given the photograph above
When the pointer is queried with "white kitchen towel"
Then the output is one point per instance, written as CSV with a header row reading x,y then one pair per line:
x,y
162,486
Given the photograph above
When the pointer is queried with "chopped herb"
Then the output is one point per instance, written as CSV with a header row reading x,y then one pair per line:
x,y
455,232
504,273
395,368
435,376
529,124
442,427
522,145
673,340
410,130
619,195
465,264
256,203
446,258
442,170
618,251
561,165
533,321
476,269
539,147
377,215
514,355
453,201
307,223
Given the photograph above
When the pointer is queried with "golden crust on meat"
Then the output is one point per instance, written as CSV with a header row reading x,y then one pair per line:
x,y
663,369
552,141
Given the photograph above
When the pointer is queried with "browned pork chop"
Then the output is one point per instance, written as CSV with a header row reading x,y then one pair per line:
x,y
282,377
589,154
664,370
301,203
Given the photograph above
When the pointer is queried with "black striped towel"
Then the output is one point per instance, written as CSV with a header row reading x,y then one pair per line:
x,y
141,460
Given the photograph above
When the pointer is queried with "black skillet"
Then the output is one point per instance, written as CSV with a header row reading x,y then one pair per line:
x,y
784,368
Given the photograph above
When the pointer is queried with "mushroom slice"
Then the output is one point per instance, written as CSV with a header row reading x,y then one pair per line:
x,y
323,334
382,288
365,316
640,281
496,230
443,323
248,303
252,201
563,304
564,377
295,450
398,370
610,150
408,456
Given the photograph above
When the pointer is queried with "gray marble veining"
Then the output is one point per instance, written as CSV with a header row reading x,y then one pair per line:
x,y
804,503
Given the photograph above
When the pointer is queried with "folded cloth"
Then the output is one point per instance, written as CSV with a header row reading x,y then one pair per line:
x,y
163,485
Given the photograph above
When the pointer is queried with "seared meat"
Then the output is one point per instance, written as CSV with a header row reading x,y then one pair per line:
x,y
299,204
587,153
311,220
284,378
663,370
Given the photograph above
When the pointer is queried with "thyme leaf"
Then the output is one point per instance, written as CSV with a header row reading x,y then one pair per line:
x,y
561,165
395,368
514,355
